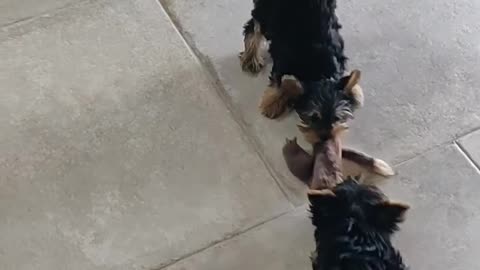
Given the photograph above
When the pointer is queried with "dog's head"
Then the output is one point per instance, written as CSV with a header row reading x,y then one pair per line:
x,y
363,205
353,226
327,105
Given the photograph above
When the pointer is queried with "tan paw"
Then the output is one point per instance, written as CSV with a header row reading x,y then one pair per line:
x,y
251,62
273,103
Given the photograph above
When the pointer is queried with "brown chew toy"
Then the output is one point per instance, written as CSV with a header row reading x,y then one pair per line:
x,y
328,164
299,162
322,170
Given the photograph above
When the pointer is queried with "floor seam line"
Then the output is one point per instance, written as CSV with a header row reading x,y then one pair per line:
x,y
467,155
45,13
248,136
452,141
224,239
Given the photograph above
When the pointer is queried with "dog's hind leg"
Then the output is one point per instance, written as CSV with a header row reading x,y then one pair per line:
x,y
251,59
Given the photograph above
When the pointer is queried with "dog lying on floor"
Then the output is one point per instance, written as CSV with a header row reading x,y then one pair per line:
x,y
354,224
307,51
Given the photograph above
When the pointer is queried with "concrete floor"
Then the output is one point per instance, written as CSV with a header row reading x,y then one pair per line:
x,y
130,138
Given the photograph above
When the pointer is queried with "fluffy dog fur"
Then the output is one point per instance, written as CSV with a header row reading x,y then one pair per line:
x,y
305,45
353,228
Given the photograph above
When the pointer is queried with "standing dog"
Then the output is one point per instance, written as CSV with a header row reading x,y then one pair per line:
x,y
307,51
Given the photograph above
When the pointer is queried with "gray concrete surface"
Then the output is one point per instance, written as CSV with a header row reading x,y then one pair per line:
x,y
281,244
13,11
441,228
108,153
119,149
471,144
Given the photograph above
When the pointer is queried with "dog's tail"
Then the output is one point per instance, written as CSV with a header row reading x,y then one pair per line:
x,y
357,163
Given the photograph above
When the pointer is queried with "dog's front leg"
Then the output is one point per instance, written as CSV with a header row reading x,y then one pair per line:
x,y
278,95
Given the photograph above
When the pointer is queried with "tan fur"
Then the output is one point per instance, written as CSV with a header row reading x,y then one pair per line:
x,y
357,93
354,89
322,192
273,103
309,134
399,204
353,80
251,59
312,137
275,99
337,132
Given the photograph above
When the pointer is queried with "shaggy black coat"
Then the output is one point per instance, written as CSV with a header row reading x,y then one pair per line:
x,y
353,228
305,42
304,36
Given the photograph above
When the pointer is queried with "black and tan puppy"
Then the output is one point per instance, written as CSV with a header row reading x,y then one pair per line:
x,y
307,49
323,124
354,224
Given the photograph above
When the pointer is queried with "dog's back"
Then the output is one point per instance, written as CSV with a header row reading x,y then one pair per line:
x,y
304,35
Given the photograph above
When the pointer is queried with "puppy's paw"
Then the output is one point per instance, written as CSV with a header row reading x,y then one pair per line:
x,y
382,168
273,103
251,62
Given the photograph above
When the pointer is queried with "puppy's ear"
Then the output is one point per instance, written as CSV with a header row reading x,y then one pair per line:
x,y
388,214
352,87
351,80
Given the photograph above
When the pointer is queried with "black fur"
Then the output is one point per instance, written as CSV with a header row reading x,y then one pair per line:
x,y
353,229
304,35
305,42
